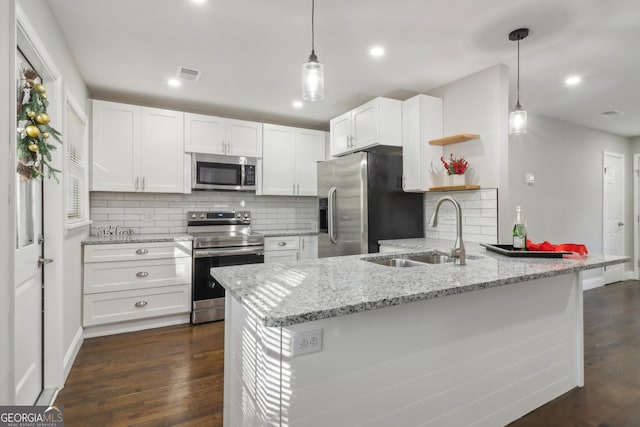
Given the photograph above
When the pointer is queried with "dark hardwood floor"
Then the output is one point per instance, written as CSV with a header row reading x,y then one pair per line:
x,y
169,376
174,376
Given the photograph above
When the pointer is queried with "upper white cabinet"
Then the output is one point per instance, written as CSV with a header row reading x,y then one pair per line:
x,y
289,160
137,148
378,122
421,122
217,135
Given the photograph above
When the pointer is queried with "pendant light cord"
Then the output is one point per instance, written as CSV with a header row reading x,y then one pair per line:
x,y
313,31
518,82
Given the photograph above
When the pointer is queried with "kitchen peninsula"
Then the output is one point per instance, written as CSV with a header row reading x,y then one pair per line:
x,y
481,344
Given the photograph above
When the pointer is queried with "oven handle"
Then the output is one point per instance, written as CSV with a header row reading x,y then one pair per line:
x,y
208,253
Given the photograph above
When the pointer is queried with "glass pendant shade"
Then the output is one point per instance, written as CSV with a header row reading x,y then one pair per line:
x,y
312,80
518,121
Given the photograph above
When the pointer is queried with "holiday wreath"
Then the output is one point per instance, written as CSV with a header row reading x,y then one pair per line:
x,y
34,131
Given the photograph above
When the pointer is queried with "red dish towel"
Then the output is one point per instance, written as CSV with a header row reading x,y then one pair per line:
x,y
550,247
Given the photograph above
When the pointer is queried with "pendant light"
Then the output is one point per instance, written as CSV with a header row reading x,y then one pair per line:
x,y
518,117
312,71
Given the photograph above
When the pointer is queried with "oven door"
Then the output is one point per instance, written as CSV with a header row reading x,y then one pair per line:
x,y
208,294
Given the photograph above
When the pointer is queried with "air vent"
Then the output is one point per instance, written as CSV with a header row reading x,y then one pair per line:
x,y
611,113
188,74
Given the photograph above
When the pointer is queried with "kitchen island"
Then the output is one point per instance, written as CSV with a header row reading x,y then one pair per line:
x,y
481,344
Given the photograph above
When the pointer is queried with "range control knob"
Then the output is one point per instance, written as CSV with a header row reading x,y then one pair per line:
x,y
194,216
246,215
239,215
202,216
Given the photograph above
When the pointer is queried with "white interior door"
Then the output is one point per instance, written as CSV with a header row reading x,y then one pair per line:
x,y
613,213
28,286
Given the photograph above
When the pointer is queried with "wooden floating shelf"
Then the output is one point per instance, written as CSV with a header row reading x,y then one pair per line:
x,y
455,188
454,139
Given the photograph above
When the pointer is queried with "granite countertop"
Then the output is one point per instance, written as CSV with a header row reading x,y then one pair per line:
x,y
287,294
282,233
138,238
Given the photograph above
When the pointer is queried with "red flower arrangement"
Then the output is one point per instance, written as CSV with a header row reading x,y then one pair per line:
x,y
455,166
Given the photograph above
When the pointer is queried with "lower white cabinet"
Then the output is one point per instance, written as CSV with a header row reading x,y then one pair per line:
x,y
290,248
309,247
132,281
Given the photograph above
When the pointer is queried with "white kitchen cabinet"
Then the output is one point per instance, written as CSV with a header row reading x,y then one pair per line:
x,y
137,149
217,135
289,160
378,122
308,247
421,122
290,248
128,282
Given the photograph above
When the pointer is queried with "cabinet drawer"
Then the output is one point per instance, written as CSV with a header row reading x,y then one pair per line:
x,y
131,305
281,243
129,275
136,251
280,256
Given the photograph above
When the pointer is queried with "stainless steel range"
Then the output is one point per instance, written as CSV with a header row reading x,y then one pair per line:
x,y
220,239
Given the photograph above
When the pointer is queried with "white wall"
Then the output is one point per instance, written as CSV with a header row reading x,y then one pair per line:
x,y
477,104
7,176
63,277
565,203
635,145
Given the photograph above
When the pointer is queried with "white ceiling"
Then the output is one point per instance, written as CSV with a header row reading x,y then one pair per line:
x,y
251,52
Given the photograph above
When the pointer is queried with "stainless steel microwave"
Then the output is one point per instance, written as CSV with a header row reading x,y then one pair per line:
x,y
216,172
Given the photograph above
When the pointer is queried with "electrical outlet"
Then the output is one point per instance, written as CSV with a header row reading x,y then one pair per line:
x,y
306,342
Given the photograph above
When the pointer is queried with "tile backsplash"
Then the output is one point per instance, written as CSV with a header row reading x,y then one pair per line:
x,y
479,215
147,213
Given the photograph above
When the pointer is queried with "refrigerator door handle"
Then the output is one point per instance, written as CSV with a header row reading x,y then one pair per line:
x,y
331,215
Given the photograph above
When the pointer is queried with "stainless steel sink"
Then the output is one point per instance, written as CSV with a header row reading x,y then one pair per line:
x,y
435,258
413,260
395,262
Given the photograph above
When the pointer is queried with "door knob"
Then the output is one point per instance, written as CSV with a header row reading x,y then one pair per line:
x,y
42,261
620,224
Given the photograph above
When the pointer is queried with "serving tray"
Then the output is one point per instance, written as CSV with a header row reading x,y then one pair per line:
x,y
508,250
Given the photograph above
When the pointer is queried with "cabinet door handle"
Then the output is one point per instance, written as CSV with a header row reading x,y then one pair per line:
x,y
142,251
137,182
298,189
282,243
142,274
141,304
143,183
294,189
302,243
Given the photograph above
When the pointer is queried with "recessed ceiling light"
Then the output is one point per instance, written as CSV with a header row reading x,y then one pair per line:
x,y
572,80
173,82
199,1
376,51
297,104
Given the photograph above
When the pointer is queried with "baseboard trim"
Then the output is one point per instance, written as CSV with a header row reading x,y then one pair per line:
x,y
630,275
72,353
594,282
136,325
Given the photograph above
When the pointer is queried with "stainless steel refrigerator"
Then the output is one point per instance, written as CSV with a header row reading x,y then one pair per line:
x,y
361,201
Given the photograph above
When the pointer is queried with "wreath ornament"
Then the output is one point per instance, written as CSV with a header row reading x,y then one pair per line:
x,y
34,131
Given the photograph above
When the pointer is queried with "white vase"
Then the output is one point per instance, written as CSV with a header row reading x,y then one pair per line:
x,y
457,180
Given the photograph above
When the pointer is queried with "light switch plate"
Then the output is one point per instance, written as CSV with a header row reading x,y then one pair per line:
x,y
529,179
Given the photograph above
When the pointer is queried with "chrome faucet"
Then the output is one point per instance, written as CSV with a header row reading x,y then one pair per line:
x,y
458,251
